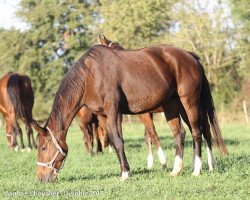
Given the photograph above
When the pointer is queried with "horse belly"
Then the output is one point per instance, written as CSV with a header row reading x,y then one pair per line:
x,y
147,96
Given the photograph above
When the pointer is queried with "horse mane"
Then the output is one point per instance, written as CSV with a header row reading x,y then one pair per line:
x,y
116,46
195,55
70,90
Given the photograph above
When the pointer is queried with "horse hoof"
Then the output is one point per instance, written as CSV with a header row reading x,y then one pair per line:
x,y
161,156
174,173
150,162
16,149
28,149
124,176
196,173
22,150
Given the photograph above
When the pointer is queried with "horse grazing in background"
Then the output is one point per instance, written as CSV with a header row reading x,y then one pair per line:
x,y
111,83
91,131
16,101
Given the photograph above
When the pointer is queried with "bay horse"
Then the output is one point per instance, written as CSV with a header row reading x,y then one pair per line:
x,y
16,101
151,134
91,131
111,83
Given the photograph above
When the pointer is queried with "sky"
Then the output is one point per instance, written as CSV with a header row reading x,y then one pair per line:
x,y
8,8
7,17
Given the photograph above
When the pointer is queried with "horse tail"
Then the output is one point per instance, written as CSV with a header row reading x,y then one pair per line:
x,y
208,106
14,93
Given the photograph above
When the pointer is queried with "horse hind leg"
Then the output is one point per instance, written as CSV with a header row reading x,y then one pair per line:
x,y
96,136
33,139
18,130
171,111
208,137
30,137
147,120
192,110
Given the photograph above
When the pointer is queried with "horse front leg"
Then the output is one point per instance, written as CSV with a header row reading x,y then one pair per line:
x,y
148,141
113,127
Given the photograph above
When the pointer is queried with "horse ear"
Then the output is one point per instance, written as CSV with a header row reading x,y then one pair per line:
x,y
38,128
104,40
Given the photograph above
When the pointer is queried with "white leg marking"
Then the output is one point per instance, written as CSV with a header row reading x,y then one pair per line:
x,y
150,161
161,156
210,159
124,176
28,149
197,166
16,148
22,150
178,164
110,149
193,161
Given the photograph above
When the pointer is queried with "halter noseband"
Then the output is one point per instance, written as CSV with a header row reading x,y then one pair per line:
x,y
59,150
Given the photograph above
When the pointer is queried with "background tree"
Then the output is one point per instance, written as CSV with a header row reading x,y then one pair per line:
x,y
60,31
11,49
135,23
206,33
241,19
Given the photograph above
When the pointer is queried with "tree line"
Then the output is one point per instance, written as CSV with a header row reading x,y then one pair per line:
x,y
60,31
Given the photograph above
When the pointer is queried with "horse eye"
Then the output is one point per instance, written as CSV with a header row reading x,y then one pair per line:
x,y
44,148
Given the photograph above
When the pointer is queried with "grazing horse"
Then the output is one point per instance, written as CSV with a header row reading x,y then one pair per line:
x,y
111,83
91,130
16,101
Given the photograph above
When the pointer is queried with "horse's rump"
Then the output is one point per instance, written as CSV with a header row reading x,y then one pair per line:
x,y
21,95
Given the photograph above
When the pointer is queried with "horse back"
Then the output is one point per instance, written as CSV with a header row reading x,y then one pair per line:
x,y
144,79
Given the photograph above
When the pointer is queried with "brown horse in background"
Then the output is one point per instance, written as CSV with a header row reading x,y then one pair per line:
x,y
111,83
91,131
16,101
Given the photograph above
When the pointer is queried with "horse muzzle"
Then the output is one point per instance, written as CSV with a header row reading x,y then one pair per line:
x,y
48,178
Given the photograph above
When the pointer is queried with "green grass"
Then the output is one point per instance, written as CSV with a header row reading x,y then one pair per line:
x,y
97,177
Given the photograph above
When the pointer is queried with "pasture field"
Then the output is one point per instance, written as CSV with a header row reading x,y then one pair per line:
x,y
85,177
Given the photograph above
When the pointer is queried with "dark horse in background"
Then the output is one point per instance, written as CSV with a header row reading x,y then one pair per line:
x,y
111,83
16,101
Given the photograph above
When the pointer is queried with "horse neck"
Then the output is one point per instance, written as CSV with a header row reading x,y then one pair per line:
x,y
59,123
67,102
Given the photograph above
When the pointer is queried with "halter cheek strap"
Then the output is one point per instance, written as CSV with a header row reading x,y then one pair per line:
x,y
59,150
